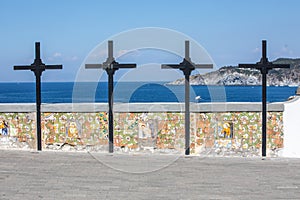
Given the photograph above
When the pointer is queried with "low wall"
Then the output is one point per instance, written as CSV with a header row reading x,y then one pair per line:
x,y
216,128
291,118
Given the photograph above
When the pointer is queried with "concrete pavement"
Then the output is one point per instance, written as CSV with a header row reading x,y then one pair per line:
x,y
75,175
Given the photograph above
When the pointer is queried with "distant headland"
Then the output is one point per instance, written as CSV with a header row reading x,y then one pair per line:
x,y
232,75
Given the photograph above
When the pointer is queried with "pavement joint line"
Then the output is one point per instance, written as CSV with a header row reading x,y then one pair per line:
x,y
287,187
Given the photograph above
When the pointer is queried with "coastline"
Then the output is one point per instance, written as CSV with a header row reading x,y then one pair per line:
x,y
138,92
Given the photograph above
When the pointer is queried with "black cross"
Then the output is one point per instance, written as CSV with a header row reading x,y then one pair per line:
x,y
187,66
38,67
264,66
110,66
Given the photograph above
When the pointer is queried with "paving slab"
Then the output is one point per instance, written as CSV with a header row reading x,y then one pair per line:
x,y
85,175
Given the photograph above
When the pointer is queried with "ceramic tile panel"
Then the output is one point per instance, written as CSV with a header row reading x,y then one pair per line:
x,y
222,133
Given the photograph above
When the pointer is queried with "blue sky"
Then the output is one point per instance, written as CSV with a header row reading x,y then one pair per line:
x,y
231,31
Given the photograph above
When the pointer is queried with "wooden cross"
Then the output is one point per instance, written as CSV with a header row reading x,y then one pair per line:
x,y
264,66
38,67
110,66
187,66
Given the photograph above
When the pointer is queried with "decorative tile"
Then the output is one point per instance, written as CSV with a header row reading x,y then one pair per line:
x,y
222,132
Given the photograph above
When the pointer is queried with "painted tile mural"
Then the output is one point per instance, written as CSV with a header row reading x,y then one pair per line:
x,y
213,133
75,129
17,130
228,133
149,130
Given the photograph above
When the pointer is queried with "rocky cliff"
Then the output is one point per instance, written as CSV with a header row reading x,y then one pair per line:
x,y
232,75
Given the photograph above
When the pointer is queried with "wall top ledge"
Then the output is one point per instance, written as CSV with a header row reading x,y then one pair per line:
x,y
142,107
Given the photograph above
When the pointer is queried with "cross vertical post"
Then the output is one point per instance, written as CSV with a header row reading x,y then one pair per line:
x,y
187,66
37,67
264,66
110,66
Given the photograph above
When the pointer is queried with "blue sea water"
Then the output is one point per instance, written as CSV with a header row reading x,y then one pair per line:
x,y
67,92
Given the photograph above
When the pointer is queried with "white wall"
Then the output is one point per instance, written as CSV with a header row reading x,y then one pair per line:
x,y
291,128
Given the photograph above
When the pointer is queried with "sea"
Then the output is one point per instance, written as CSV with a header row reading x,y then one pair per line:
x,y
125,92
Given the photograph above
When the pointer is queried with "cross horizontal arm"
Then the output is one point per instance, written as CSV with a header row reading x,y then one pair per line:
x,y
204,66
248,65
53,67
168,66
176,66
279,65
93,66
268,66
23,67
124,65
